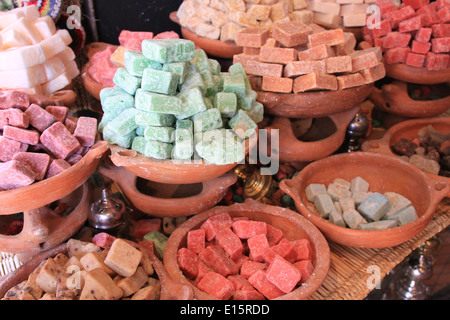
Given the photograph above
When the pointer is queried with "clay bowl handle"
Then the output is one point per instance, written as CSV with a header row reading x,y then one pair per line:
x,y
439,186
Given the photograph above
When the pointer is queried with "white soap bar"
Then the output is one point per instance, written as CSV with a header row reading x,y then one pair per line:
x,y
45,26
55,44
63,62
26,28
60,82
9,17
327,19
12,38
355,20
29,12
21,57
22,78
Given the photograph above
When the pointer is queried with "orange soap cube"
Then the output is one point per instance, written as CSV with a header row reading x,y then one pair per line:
x,y
291,34
329,37
258,68
252,37
348,46
251,51
276,84
243,58
298,68
277,55
315,81
363,59
339,64
350,80
374,74
316,53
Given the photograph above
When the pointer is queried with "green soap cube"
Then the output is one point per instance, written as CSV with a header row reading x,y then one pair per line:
x,y
139,144
111,135
247,100
193,102
162,134
124,123
135,63
144,118
244,101
235,84
207,120
178,68
215,66
256,112
159,81
140,130
219,147
158,150
193,79
204,67
126,81
106,118
219,82
209,101
159,240
117,103
242,124
168,50
110,91
160,103
184,140
226,102
238,68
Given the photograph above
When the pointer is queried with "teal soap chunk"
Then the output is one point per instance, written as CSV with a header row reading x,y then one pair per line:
x,y
162,134
193,102
139,144
256,112
124,123
374,207
155,119
178,68
158,150
207,120
159,81
184,140
168,50
226,102
219,146
111,135
140,130
126,81
160,103
242,124
135,63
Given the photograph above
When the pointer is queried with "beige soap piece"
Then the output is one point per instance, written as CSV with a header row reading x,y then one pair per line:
x,y
243,59
123,258
299,4
12,39
244,19
348,46
229,30
266,24
94,260
327,19
26,29
259,12
235,5
48,276
374,74
207,30
325,7
99,286
218,5
349,1
45,26
78,248
132,284
347,9
303,16
354,20
147,293
279,10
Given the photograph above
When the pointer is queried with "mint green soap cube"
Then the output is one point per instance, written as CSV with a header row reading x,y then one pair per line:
x,y
193,79
109,92
158,150
238,68
126,81
162,134
177,68
159,81
168,50
235,84
204,67
219,147
209,101
242,124
140,130
193,102
160,103
215,66
184,140
135,63
226,102
219,82
124,123
155,119
111,135
139,144
256,112
207,120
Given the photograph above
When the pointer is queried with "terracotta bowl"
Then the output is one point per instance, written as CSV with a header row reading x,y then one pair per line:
x,y
171,171
409,130
384,173
170,200
291,223
393,98
410,74
46,191
215,48
291,149
312,104
44,229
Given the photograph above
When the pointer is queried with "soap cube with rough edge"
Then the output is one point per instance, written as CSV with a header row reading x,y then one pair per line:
x,y
359,197
292,33
220,146
324,204
15,174
235,83
193,102
131,285
283,274
126,81
215,66
135,63
230,242
216,285
125,122
123,258
263,285
160,103
213,224
159,81
188,262
143,118
379,225
226,102
242,124
184,140
98,285
252,37
207,120
109,92
178,68
358,184
158,150
374,207
337,192
196,240
258,245
313,189
59,141
112,136
398,202
217,259
116,101
353,218
168,50
246,229
336,218
204,67
139,144
347,203
405,216
159,240
162,134
193,79
256,112
303,249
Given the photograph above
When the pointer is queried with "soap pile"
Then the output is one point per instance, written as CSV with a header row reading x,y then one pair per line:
x,y
351,204
296,57
222,19
34,56
243,259
171,101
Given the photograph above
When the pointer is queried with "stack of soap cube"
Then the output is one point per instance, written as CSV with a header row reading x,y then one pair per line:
x,y
416,34
39,142
222,19
296,57
243,259
171,101
34,56
351,204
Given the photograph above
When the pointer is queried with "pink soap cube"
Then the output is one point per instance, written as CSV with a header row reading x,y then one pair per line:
x,y
71,123
415,60
239,282
396,40
248,295
440,45
283,274
26,136
61,143
302,248
396,55
196,240
188,262
400,15
230,242
306,268
423,34
39,118
167,35
248,268
264,286
144,226
414,23
14,99
9,147
59,112
105,240
56,167
285,250
246,229
38,162
258,245
213,224
444,14
380,31
385,6
274,235
416,4
437,61
441,30
14,117
15,174
217,259
420,47
86,131
216,285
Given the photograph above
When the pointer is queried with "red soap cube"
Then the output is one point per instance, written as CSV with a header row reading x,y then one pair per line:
x,y
264,286
440,45
415,60
61,143
188,262
414,23
258,245
283,274
385,6
437,61
217,259
246,229
423,35
441,3
59,112
56,167
429,19
248,295
216,285
86,131
441,30
420,47
302,248
39,118
14,117
213,224
105,240
230,242
239,261
306,268
250,267
9,147
196,240
285,250
381,30
444,14
396,55
396,40
274,235
239,282
379,43
15,174
203,269
416,4
400,15
38,162
144,226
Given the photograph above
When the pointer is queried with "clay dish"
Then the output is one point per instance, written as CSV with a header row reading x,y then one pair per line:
x,y
293,225
403,72
384,173
409,130
92,86
172,171
170,200
312,104
393,98
215,48
46,191
292,149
